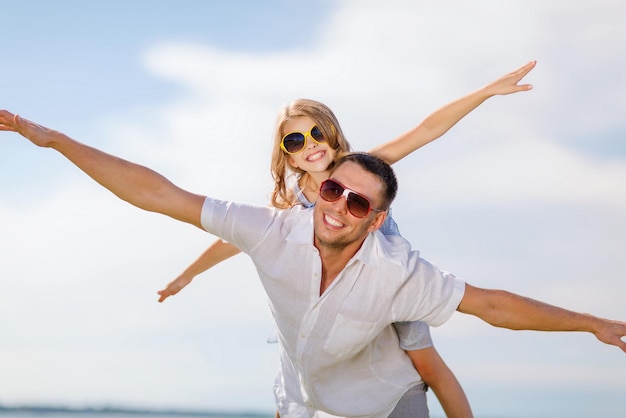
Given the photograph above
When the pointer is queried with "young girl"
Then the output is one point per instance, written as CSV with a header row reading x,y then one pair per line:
x,y
307,139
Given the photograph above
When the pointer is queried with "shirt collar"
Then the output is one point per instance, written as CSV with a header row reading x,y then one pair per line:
x,y
302,233
370,250
378,246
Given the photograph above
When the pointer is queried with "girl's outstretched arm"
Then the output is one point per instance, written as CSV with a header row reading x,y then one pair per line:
x,y
440,121
215,254
438,376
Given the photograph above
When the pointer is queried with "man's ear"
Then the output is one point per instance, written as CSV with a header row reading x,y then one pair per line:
x,y
378,221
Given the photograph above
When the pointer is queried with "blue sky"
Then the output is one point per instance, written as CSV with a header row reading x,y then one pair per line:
x,y
527,193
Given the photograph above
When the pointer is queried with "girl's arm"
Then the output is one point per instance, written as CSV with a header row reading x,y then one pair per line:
x,y
216,253
440,121
442,381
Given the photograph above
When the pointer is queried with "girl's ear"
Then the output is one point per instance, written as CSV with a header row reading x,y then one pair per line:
x,y
292,162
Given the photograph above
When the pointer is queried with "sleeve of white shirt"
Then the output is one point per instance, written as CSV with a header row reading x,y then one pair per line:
x,y
243,225
430,294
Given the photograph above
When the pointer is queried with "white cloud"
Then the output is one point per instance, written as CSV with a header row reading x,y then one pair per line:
x,y
525,168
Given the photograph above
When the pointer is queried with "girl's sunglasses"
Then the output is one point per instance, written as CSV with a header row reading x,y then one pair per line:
x,y
295,142
358,205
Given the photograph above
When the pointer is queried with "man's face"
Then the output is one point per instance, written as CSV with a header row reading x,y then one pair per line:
x,y
334,226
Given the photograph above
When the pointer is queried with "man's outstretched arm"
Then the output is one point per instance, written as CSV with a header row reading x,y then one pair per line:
x,y
508,310
131,182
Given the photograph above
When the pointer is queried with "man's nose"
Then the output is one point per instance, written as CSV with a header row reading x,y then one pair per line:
x,y
341,205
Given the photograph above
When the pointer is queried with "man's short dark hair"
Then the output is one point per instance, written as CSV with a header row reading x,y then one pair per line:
x,y
376,166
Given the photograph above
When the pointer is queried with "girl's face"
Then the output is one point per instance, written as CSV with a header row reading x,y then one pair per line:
x,y
316,156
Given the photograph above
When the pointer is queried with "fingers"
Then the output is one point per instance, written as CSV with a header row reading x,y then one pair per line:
x,y
170,290
508,83
166,293
15,123
5,115
614,333
523,70
621,344
621,341
7,121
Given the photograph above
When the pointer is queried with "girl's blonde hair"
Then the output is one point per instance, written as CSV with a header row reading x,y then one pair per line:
x,y
325,119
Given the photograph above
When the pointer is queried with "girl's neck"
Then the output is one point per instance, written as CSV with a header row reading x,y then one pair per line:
x,y
310,184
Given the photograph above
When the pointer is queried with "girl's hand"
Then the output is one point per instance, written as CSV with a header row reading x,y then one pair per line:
x,y
174,287
508,83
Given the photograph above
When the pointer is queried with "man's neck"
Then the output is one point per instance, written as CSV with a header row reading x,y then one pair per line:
x,y
334,260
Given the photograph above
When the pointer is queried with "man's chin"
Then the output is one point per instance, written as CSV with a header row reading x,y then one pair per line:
x,y
329,241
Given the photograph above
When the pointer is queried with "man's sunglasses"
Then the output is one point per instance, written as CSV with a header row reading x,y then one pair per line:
x,y
295,142
358,205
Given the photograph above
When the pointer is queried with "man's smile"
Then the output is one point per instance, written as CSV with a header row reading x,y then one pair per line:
x,y
328,220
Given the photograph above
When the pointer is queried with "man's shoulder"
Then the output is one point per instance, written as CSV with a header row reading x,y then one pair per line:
x,y
393,244
391,250
296,223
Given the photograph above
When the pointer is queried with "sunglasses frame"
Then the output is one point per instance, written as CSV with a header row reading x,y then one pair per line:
x,y
347,193
304,139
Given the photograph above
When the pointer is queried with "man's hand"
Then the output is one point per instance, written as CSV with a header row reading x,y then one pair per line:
x,y
7,121
611,332
37,134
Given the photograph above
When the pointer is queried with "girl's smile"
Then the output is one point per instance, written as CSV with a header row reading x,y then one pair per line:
x,y
316,156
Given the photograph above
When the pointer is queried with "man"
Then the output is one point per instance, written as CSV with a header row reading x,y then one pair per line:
x,y
335,284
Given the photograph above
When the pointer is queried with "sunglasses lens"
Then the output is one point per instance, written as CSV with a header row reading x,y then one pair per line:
x,y
294,142
358,205
316,134
330,191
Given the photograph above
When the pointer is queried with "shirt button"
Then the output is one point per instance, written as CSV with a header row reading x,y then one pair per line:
x,y
302,335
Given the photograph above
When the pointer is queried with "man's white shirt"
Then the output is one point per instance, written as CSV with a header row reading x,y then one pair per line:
x,y
338,351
